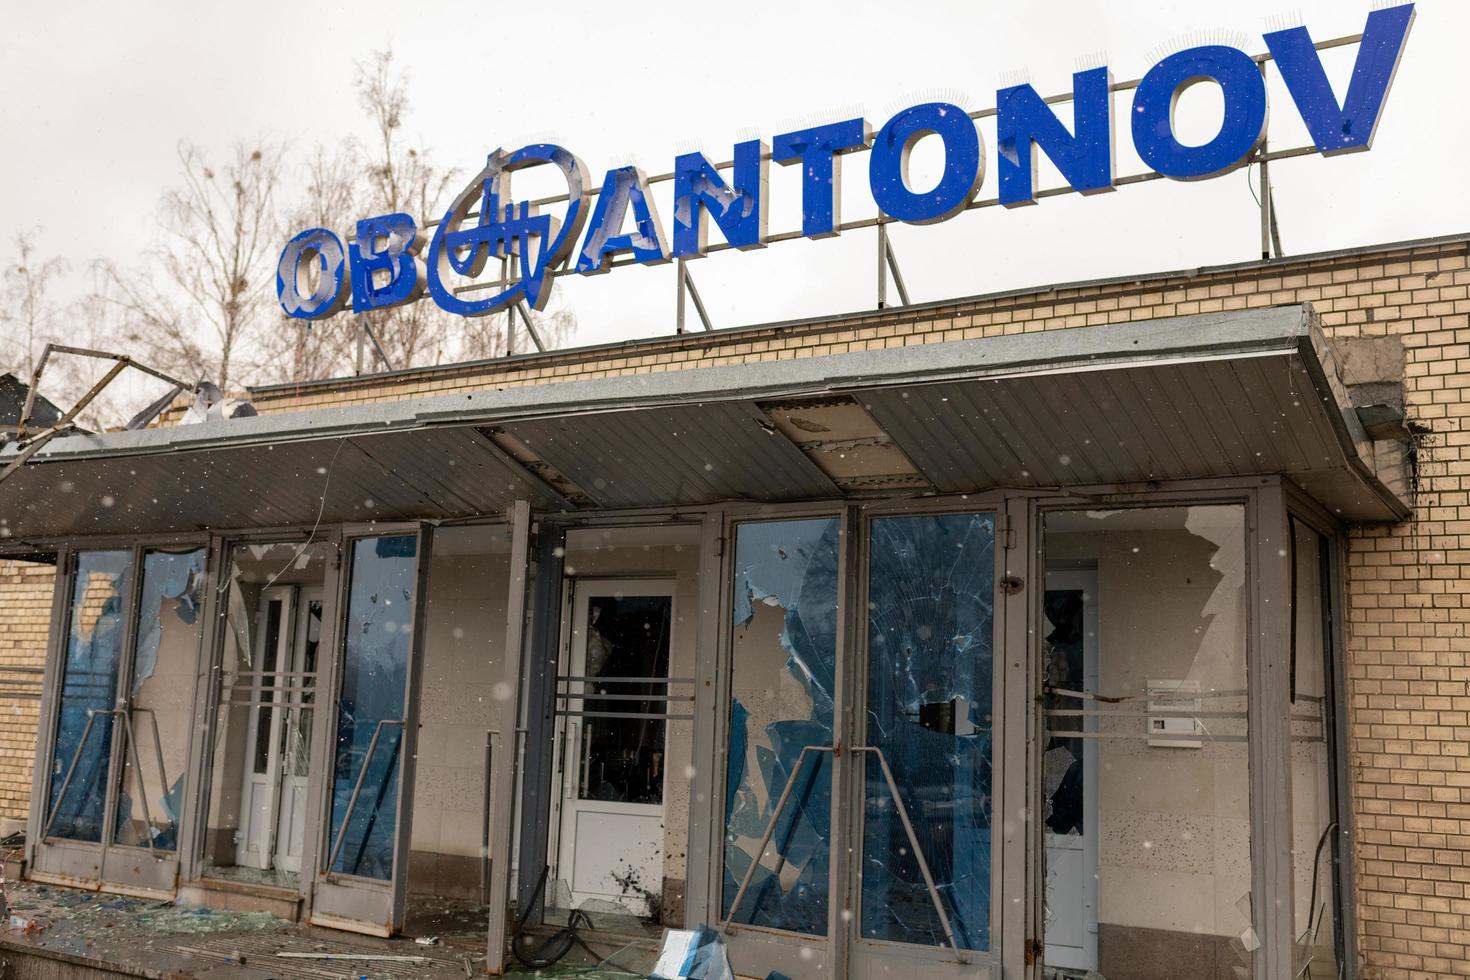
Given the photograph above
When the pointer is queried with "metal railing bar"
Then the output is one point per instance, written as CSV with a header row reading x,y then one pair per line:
x,y
1141,712
130,735
626,680
594,696
70,772
908,827
1153,736
367,759
158,750
622,714
271,673
770,831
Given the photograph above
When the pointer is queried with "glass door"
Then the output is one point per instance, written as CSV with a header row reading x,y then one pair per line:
x,y
924,753
154,720
610,841
361,873
118,756
775,892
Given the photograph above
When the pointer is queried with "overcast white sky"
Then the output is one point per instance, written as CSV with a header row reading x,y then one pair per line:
x,y
99,94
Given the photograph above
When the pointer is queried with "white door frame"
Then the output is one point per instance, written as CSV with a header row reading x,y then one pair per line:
x,y
290,789
251,841
566,804
1070,576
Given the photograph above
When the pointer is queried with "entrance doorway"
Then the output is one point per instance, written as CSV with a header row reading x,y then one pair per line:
x,y
614,736
1144,770
274,622
279,732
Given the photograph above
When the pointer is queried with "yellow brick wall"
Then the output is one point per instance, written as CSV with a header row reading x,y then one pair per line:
x,y
25,614
1408,649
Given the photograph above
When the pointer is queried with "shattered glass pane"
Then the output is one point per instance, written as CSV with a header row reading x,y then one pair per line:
x,y
1147,850
162,698
931,592
94,641
271,610
784,653
377,636
1063,665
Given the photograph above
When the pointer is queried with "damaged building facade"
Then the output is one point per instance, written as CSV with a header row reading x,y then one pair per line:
x,y
1113,626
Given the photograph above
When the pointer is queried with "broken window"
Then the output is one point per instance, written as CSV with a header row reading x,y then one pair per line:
x,y
96,622
100,587
376,646
1144,759
621,758
271,611
783,661
931,599
160,700
1317,838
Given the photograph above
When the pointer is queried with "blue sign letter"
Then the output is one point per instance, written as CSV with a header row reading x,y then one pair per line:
x,y
504,229
1350,126
740,212
1244,90
327,297
818,149
964,163
1085,159
622,187
398,257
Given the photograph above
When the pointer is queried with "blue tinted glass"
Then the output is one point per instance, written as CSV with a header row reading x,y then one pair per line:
x,y
378,633
162,700
94,641
784,653
931,588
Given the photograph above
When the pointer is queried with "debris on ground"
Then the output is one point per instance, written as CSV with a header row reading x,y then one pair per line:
x,y
692,954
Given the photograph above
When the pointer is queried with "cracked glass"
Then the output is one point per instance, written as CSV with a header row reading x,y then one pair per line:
x,y
784,655
96,618
161,700
930,692
377,644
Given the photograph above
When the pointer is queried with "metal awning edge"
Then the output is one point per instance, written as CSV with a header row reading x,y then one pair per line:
x,y
1264,332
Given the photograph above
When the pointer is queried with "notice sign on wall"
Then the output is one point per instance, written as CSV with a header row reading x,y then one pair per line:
x,y
394,258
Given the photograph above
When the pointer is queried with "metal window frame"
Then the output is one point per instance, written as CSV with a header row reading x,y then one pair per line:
x,y
1265,504
1334,536
330,678
74,855
782,950
935,961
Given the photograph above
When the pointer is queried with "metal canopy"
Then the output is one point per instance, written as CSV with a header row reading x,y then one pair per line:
x,y
438,473
675,455
1227,395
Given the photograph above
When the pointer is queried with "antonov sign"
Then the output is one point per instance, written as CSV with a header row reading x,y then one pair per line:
x,y
387,264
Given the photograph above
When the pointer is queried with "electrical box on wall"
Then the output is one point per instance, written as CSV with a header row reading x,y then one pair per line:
x,y
1169,726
